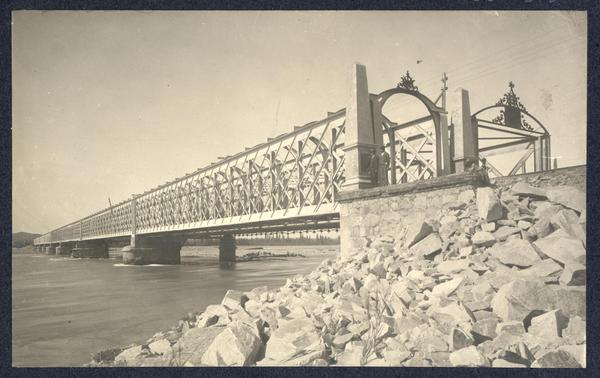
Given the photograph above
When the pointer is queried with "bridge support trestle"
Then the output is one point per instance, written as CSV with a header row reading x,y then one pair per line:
x,y
227,249
153,250
65,249
50,249
90,249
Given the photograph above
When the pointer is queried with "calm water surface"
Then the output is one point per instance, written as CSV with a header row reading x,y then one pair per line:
x,y
64,310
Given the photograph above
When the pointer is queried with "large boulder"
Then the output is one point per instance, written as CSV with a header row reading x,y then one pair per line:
x,y
562,249
237,345
162,346
214,314
447,288
517,299
575,331
453,266
427,247
234,299
190,348
526,190
516,252
504,232
489,206
483,239
568,220
570,299
577,351
127,357
574,274
416,231
568,196
549,325
543,268
292,338
459,339
469,356
556,359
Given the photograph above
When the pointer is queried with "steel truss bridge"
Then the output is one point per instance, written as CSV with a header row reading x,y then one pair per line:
x,y
290,182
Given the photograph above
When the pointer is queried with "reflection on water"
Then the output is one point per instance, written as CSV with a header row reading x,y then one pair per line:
x,y
64,310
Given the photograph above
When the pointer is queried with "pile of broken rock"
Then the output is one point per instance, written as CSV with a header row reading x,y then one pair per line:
x,y
496,279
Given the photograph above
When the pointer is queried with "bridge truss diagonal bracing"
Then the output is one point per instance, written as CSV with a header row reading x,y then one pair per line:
x,y
291,176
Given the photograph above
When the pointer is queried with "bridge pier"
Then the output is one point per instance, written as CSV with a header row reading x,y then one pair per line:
x,y
50,249
65,249
153,250
227,249
90,249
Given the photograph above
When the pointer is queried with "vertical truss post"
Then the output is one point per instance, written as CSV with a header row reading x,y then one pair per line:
x,y
133,220
465,143
231,206
538,154
334,161
202,199
273,181
327,177
250,189
442,150
259,191
315,194
134,215
547,154
403,161
215,196
301,173
80,230
392,140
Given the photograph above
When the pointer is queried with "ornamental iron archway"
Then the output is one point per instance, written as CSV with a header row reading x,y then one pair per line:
x,y
506,129
419,148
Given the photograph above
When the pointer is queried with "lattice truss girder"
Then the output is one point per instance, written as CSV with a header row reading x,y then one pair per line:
x,y
413,151
289,173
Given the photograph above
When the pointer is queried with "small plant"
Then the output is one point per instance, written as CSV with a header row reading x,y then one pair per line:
x,y
375,321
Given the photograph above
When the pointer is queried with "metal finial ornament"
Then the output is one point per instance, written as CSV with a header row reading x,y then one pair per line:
x,y
407,82
511,100
444,89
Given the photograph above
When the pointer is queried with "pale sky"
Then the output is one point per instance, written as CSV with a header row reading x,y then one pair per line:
x,y
107,104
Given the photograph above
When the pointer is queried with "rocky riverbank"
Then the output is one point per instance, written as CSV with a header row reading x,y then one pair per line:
x,y
495,279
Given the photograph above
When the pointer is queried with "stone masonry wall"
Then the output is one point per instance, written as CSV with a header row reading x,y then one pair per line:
x,y
381,212
387,211
573,176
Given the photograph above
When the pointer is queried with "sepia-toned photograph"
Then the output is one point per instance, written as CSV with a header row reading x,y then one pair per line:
x,y
299,188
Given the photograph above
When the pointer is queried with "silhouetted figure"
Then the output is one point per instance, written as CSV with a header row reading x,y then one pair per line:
x,y
484,171
384,166
374,167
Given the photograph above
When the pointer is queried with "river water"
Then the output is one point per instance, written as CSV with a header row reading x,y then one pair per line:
x,y
64,310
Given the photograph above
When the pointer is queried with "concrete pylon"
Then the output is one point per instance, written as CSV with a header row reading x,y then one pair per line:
x,y
65,249
227,249
465,132
90,249
153,250
362,133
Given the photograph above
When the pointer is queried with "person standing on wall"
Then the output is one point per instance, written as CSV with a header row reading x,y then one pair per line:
x,y
374,167
384,166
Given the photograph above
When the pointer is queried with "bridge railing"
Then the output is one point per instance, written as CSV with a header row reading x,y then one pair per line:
x,y
292,175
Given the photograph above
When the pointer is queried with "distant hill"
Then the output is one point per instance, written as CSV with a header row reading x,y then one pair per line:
x,y
22,239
